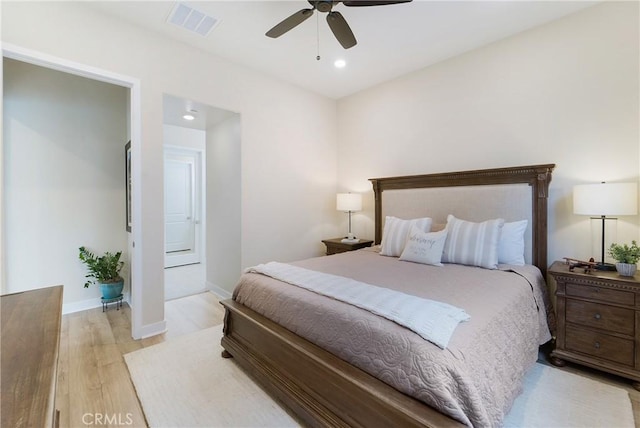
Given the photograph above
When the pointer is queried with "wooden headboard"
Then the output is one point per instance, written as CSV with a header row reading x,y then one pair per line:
x,y
537,177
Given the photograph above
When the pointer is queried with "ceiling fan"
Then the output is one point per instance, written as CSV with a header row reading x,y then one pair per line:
x,y
336,21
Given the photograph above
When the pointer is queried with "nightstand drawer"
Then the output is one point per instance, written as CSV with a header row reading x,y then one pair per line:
x,y
600,345
598,314
602,294
604,317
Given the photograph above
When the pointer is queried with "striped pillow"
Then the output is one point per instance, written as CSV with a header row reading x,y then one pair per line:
x,y
473,244
396,231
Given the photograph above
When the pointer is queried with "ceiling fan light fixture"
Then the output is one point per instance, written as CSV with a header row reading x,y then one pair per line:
x,y
340,63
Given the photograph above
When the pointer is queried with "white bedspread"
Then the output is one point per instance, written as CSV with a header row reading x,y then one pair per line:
x,y
434,321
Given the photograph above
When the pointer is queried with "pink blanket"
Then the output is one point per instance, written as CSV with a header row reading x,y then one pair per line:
x,y
474,380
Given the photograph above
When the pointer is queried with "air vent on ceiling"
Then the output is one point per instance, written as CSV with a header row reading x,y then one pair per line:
x,y
191,19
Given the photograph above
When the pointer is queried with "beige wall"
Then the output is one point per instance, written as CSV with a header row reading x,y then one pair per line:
x,y
564,93
64,140
224,205
288,134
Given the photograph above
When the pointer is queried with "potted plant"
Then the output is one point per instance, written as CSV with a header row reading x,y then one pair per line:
x,y
105,271
627,257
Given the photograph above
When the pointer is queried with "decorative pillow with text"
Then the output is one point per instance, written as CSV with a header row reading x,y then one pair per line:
x,y
424,247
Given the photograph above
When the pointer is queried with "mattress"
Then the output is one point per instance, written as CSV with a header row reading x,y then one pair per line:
x,y
474,380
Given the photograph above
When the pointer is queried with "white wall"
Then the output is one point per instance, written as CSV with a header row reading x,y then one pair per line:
x,y
289,135
224,210
564,93
178,136
64,140
3,277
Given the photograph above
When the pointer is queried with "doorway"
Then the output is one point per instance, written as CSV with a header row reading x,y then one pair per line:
x,y
182,206
134,130
202,197
184,228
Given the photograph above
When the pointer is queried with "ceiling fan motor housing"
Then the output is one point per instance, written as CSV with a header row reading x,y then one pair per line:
x,y
323,5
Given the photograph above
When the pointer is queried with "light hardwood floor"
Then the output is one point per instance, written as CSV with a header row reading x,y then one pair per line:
x,y
93,379
182,281
94,387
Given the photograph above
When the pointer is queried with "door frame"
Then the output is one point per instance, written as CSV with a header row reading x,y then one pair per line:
x,y
135,237
199,185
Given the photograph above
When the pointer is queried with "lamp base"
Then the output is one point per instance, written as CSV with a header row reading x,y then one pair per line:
x,y
605,267
350,240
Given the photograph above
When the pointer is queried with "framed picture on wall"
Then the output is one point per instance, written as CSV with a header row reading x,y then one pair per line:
x,y
127,180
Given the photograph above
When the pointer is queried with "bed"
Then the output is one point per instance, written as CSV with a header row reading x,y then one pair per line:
x,y
333,364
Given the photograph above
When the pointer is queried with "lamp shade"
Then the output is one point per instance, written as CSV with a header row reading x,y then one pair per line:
x,y
604,199
349,202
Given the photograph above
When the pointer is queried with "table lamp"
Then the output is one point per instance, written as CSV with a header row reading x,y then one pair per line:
x,y
602,201
349,202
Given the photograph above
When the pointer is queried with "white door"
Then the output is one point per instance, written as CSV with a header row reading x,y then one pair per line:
x,y
181,205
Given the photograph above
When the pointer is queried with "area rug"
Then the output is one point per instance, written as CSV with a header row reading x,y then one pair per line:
x,y
554,398
186,383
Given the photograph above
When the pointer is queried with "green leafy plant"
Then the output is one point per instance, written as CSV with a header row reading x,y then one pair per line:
x,y
103,269
624,253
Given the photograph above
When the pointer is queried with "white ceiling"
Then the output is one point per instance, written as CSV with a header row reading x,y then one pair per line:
x,y
205,116
393,40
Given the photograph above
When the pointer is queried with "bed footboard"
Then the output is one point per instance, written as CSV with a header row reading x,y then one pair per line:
x,y
321,389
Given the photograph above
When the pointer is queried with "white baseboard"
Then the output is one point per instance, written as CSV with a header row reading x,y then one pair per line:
x,y
83,305
153,329
218,291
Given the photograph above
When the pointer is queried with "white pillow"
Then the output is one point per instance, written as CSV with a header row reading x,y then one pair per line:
x,y
396,231
473,244
511,244
424,247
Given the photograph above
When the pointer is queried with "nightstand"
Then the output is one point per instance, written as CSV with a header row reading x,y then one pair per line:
x,y
335,245
598,321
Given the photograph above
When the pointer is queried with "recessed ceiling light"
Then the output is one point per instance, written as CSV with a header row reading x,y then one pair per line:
x,y
188,117
340,63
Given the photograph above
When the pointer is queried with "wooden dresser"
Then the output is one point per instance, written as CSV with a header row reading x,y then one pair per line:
x,y
598,320
29,357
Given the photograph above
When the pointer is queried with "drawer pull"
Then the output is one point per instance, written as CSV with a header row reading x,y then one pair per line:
x,y
596,345
597,316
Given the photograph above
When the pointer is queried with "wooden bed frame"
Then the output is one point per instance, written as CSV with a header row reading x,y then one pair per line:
x,y
323,390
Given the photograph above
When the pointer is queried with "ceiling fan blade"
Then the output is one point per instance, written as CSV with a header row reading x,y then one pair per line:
x,y
288,23
341,30
372,2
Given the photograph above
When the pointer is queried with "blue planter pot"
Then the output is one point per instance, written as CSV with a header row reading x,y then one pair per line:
x,y
111,290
